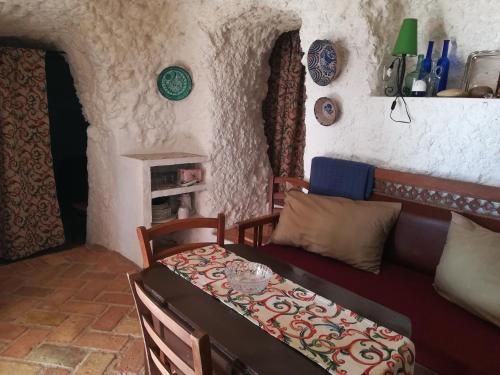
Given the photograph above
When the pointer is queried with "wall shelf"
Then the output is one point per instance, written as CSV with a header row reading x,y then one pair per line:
x,y
177,190
167,158
152,176
141,169
424,99
153,224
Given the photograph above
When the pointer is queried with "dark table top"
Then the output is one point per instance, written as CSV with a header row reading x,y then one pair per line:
x,y
241,340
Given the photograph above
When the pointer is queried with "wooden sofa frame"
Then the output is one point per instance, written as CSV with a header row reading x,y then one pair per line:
x,y
482,201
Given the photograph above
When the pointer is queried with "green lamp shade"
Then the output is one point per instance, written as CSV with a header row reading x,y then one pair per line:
x,y
407,38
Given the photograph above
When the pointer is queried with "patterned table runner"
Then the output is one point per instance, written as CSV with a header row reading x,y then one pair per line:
x,y
334,337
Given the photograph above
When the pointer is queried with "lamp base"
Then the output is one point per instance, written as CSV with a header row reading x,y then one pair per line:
x,y
400,94
401,75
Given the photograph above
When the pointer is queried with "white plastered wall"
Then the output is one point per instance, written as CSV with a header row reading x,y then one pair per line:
x,y
117,48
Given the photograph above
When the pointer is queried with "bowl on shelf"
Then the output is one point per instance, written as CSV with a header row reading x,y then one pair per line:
x,y
248,277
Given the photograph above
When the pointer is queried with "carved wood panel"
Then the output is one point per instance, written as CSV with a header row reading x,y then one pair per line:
x,y
443,199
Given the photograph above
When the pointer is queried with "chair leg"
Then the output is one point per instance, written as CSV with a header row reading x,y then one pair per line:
x,y
221,228
146,365
149,366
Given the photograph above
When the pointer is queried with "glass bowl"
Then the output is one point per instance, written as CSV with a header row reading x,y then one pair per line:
x,y
248,277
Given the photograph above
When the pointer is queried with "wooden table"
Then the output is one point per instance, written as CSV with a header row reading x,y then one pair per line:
x,y
242,346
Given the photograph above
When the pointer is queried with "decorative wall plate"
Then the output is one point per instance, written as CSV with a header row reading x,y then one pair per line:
x,y
322,62
326,111
174,83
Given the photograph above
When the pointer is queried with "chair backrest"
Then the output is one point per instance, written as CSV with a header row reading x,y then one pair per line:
x,y
276,190
146,236
170,346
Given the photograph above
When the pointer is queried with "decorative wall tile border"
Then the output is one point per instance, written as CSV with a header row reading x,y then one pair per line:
x,y
438,198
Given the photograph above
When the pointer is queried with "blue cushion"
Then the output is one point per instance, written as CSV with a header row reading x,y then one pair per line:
x,y
341,178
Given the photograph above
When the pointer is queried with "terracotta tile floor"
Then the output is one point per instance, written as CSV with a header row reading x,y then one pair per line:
x,y
69,313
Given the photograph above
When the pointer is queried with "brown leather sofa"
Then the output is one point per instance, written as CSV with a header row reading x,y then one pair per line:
x,y
448,339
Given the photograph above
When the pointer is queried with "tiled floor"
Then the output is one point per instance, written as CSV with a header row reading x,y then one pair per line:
x,y
69,313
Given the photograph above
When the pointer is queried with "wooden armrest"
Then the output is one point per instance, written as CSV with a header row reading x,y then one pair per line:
x,y
257,224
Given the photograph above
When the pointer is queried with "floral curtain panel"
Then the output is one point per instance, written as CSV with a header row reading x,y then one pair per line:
x,y
283,109
30,218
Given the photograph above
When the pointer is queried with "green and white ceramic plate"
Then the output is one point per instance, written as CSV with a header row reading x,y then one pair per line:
x,y
174,83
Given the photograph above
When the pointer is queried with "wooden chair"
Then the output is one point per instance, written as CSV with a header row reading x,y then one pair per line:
x,y
170,347
276,196
149,256
263,226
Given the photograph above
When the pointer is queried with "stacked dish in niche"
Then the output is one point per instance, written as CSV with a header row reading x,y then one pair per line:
x,y
161,210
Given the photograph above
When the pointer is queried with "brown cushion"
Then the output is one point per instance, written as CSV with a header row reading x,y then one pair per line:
x,y
468,273
353,232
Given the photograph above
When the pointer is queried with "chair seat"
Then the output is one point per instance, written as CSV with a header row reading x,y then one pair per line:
x,y
448,339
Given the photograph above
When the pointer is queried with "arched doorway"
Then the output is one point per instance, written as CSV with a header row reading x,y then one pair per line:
x,y
68,137
43,166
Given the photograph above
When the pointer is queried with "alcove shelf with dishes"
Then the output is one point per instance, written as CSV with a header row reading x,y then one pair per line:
x,y
165,184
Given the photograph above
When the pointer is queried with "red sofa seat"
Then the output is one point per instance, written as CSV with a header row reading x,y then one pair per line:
x,y
448,339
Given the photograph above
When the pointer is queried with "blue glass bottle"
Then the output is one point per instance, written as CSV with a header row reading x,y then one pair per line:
x,y
444,65
427,63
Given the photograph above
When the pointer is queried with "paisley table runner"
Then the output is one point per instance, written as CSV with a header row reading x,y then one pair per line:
x,y
334,337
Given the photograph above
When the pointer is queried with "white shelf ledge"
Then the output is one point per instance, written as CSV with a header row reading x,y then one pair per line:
x,y
167,158
155,223
177,190
435,99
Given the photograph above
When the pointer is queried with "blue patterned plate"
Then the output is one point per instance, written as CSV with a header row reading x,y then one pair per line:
x,y
326,111
174,83
322,62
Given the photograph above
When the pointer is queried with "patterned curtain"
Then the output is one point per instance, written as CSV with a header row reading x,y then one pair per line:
x,y
30,218
283,109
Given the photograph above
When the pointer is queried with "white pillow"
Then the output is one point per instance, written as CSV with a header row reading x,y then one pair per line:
x,y
468,273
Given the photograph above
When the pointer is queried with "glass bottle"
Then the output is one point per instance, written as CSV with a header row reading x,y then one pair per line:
x,y
444,63
419,88
427,63
412,76
432,79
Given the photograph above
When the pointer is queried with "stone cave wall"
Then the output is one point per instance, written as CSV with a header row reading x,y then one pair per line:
x,y
117,48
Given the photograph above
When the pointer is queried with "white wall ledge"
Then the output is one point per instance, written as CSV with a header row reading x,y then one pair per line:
x,y
436,99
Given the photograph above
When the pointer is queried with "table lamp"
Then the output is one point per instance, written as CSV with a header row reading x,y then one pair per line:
x,y
406,44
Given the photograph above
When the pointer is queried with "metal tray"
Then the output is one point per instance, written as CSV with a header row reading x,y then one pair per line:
x,y
482,69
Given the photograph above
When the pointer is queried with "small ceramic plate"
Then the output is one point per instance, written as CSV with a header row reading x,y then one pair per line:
x,y
322,62
174,83
326,111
